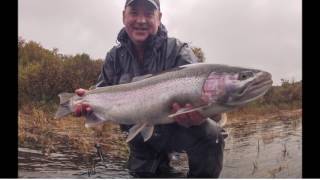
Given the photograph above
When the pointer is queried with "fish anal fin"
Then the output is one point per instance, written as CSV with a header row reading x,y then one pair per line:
x,y
147,132
134,131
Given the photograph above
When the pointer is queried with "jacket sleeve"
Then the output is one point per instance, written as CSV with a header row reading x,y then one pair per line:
x,y
185,55
107,76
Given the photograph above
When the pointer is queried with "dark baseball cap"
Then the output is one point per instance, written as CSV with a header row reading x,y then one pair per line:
x,y
155,3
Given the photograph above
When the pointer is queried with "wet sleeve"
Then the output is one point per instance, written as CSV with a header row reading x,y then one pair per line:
x,y
186,56
107,75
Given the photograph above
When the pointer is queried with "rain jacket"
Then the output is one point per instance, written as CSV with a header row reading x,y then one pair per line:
x,y
161,53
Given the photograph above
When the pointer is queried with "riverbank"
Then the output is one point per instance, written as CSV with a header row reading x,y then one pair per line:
x,y
276,115
38,128
41,130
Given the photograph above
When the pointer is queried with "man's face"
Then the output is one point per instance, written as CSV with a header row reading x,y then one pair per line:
x,y
141,20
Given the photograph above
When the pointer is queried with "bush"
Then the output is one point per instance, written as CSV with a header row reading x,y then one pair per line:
x,y
289,94
43,74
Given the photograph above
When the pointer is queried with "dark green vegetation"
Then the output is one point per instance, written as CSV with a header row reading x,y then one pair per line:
x,y
43,73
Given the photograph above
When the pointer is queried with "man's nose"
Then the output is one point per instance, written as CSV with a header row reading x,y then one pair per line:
x,y
141,19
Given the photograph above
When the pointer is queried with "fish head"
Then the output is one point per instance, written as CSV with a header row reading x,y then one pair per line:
x,y
235,86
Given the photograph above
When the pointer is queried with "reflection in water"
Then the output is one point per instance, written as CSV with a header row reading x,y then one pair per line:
x,y
33,164
264,149
253,150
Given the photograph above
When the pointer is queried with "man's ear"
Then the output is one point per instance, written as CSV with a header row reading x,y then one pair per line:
x,y
123,14
160,16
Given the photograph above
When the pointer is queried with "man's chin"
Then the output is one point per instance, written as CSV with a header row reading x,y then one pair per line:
x,y
140,40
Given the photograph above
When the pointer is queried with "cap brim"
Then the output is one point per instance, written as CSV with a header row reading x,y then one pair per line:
x,y
152,2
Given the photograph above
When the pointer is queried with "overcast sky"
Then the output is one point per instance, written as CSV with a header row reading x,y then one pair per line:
x,y
263,34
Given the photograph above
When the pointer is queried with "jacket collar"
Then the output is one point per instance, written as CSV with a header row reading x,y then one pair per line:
x,y
154,41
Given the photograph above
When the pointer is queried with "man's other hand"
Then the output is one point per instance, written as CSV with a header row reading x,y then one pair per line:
x,y
188,119
81,109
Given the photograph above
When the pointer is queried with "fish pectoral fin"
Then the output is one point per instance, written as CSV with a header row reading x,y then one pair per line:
x,y
147,132
187,110
135,130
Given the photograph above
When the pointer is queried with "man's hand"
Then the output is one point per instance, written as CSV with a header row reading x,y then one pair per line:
x,y
81,109
189,119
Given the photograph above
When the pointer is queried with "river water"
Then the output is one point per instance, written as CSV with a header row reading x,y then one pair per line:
x,y
254,149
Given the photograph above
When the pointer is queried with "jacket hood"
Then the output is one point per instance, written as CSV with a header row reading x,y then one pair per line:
x,y
152,41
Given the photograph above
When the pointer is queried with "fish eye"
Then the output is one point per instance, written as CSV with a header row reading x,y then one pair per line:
x,y
245,75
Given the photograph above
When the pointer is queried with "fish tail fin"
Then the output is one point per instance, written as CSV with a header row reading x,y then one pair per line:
x,y
65,97
62,111
64,108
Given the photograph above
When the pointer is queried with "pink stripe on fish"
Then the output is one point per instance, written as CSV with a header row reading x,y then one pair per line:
x,y
213,87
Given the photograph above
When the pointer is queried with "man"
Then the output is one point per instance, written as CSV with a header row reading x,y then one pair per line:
x,y
144,48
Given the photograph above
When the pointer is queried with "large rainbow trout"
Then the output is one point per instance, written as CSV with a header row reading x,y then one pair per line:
x,y
147,100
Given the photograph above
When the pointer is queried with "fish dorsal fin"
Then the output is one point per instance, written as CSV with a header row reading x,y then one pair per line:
x,y
139,78
187,110
135,130
147,132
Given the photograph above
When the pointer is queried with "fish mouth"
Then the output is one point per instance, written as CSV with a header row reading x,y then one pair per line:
x,y
252,90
